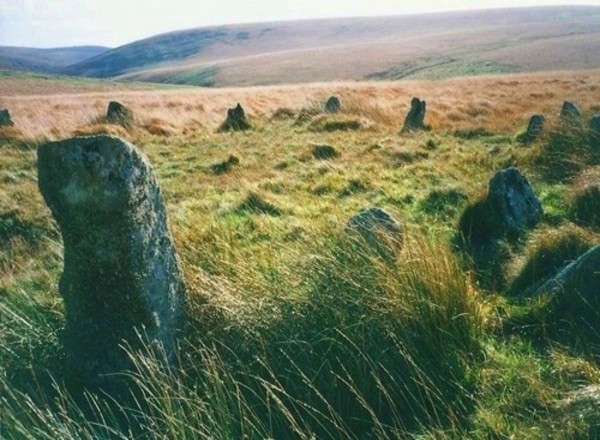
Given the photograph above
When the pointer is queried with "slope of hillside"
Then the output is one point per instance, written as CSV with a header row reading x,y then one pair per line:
x,y
423,46
45,60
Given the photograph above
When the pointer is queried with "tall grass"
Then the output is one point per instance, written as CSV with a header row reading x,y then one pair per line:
x,y
366,348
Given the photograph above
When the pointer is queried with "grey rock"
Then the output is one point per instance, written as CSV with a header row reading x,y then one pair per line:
x,y
570,111
379,230
333,105
118,114
582,277
512,199
594,128
5,120
534,129
236,120
121,274
416,116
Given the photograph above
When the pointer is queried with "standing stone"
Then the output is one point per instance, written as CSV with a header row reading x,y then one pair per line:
x,y
121,274
570,112
379,230
510,195
416,116
236,120
534,129
5,120
595,131
118,114
333,105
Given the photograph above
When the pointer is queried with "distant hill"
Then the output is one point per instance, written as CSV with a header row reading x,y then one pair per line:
x,y
45,60
421,46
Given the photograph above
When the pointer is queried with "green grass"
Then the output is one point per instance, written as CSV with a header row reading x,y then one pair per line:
x,y
297,330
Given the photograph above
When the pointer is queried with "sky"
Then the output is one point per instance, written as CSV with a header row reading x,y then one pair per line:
x,y
60,23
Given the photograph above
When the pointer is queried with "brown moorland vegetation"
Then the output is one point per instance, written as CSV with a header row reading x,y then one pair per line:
x,y
499,103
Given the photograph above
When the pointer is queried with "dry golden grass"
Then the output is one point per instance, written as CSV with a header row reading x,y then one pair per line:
x,y
500,104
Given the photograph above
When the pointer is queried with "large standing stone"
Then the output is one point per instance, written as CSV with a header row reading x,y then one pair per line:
x,y
416,116
333,105
118,114
570,112
509,208
5,120
595,131
379,230
121,275
236,120
510,195
534,129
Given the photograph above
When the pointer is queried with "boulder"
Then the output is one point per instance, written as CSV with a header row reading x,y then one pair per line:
x,y
333,105
121,276
416,116
594,128
380,231
510,195
581,277
5,120
236,120
118,114
570,112
509,209
534,129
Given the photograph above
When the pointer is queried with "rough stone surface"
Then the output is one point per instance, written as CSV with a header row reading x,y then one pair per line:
x,y
581,276
534,129
121,275
594,127
380,230
236,120
416,116
511,197
118,114
333,105
5,120
570,111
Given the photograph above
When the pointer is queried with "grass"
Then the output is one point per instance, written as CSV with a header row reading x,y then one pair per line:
x,y
296,329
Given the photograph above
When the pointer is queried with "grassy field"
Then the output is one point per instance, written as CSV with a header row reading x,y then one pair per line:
x,y
295,330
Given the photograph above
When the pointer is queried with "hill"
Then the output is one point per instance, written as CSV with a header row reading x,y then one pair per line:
x,y
421,46
45,60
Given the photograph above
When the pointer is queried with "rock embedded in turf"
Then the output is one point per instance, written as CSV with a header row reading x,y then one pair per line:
x,y
5,120
121,274
594,128
236,120
333,105
510,195
324,152
379,230
570,112
118,114
574,290
416,116
534,129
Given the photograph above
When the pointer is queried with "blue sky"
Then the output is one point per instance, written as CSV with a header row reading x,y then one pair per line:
x,y
55,23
